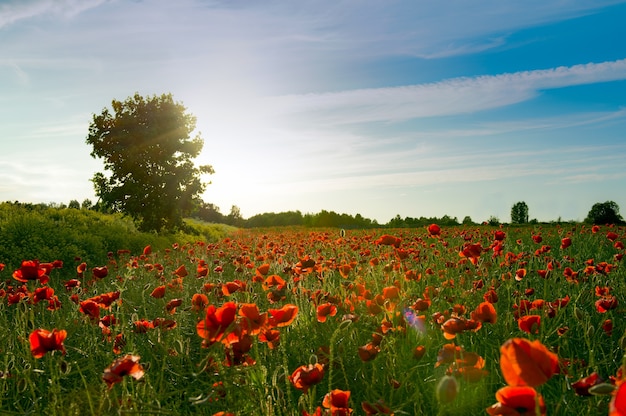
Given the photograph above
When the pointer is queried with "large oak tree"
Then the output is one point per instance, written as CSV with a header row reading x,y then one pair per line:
x,y
148,152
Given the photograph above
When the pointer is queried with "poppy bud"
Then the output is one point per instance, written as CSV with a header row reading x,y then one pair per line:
x,y
580,315
590,331
447,389
622,343
602,389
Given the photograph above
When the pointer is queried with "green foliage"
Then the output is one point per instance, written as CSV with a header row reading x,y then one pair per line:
x,y
603,213
29,231
519,213
148,152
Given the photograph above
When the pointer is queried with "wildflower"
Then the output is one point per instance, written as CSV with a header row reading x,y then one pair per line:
x,y
378,408
100,272
388,240
91,309
529,323
526,363
606,303
324,310
158,292
181,271
252,320
582,386
337,402
31,270
213,327
368,351
199,302
283,316
434,230
172,305
127,365
305,376
43,341
485,312
617,406
517,401
263,269
565,243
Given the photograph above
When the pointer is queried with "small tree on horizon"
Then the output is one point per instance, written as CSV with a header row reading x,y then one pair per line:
x,y
604,213
519,213
146,147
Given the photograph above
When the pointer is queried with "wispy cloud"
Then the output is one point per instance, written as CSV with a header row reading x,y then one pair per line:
x,y
448,97
15,10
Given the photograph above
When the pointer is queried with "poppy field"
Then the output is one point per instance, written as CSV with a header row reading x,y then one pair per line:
x,y
468,320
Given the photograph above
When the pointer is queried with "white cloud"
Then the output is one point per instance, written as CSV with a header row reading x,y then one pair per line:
x,y
448,97
16,10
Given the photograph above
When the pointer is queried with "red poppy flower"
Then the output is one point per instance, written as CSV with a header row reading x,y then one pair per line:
x,y
606,303
368,351
419,352
283,316
252,320
325,310
499,235
91,309
526,363
263,269
485,312
388,240
42,293
123,366
611,235
529,323
517,401
158,292
582,386
434,230
472,252
617,406
565,243
147,250
172,305
337,401
229,288
274,282
100,272
378,408
213,327
270,336
181,271
199,301
43,341
164,323
31,270
142,326
306,376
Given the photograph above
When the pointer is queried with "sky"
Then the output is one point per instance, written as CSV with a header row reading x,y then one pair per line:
x,y
379,108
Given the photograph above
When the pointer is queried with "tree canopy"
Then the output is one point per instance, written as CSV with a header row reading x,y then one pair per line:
x,y
148,153
519,213
604,213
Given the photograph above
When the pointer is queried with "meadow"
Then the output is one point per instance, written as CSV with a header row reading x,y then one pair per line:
x,y
463,320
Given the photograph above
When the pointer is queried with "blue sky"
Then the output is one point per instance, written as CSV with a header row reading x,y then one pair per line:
x,y
382,108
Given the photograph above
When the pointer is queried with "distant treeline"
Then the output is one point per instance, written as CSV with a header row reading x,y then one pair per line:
x,y
210,213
